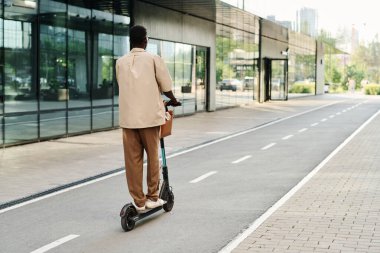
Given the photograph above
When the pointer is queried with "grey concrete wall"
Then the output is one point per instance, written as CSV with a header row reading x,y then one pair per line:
x,y
170,25
275,39
320,69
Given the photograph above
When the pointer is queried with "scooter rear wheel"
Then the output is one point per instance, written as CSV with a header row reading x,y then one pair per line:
x,y
168,206
127,223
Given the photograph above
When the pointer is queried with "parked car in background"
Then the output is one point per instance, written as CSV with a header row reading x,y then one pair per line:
x,y
248,83
231,84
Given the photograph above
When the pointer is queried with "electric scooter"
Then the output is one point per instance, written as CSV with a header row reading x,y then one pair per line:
x,y
129,215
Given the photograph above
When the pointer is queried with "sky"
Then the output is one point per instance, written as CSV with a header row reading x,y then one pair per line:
x,y
332,14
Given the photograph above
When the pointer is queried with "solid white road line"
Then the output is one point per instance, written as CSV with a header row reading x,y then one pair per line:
x,y
242,159
268,146
235,242
287,137
55,244
169,156
302,130
198,179
314,124
60,192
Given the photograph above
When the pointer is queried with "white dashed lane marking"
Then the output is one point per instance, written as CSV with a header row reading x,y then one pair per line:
x,y
242,159
203,177
287,137
302,130
55,244
268,146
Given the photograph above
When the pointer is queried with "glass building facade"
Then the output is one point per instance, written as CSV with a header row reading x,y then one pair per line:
x,y
57,68
57,61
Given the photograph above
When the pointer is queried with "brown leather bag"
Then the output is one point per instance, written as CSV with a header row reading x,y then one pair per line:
x,y
166,129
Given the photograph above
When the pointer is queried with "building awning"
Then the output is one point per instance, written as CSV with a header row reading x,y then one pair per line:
x,y
199,8
212,10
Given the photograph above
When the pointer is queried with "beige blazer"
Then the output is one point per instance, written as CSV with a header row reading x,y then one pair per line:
x,y
141,77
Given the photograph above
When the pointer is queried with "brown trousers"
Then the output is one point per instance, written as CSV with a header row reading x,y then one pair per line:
x,y
135,142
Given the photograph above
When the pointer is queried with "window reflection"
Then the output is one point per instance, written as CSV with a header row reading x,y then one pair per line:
x,y
103,69
53,85
1,80
79,70
236,66
121,47
180,61
20,106
18,66
301,64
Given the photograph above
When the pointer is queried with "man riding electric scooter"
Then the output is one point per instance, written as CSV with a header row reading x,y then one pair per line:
x,y
142,77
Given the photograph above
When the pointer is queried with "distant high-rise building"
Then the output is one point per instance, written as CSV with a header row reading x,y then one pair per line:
x,y
272,18
307,21
287,24
354,38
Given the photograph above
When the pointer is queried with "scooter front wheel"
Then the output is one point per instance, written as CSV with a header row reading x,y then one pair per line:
x,y
127,223
168,206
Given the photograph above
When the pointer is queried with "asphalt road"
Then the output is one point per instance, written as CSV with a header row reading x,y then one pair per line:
x,y
246,175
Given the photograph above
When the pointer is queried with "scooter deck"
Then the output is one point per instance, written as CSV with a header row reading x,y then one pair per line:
x,y
145,214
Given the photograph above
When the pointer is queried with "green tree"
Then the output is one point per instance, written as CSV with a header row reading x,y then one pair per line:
x,y
336,76
353,72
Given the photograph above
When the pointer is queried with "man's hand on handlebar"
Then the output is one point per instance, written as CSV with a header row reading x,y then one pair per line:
x,y
173,103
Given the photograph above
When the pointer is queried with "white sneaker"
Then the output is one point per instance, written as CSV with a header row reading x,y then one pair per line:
x,y
153,204
138,209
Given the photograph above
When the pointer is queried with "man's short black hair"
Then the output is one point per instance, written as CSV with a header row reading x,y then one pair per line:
x,y
137,34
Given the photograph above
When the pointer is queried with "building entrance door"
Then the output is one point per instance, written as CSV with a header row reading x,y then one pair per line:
x,y
201,80
276,79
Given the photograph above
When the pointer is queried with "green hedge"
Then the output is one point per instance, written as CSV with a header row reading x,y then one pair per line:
x,y
302,88
372,89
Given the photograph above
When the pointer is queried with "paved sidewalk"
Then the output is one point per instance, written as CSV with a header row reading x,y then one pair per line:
x,y
33,168
338,210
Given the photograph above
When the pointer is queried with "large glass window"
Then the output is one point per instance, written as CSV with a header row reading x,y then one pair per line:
x,y
1,77
302,66
63,53
20,93
236,63
53,85
121,47
168,54
187,84
201,78
79,69
103,65
180,61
